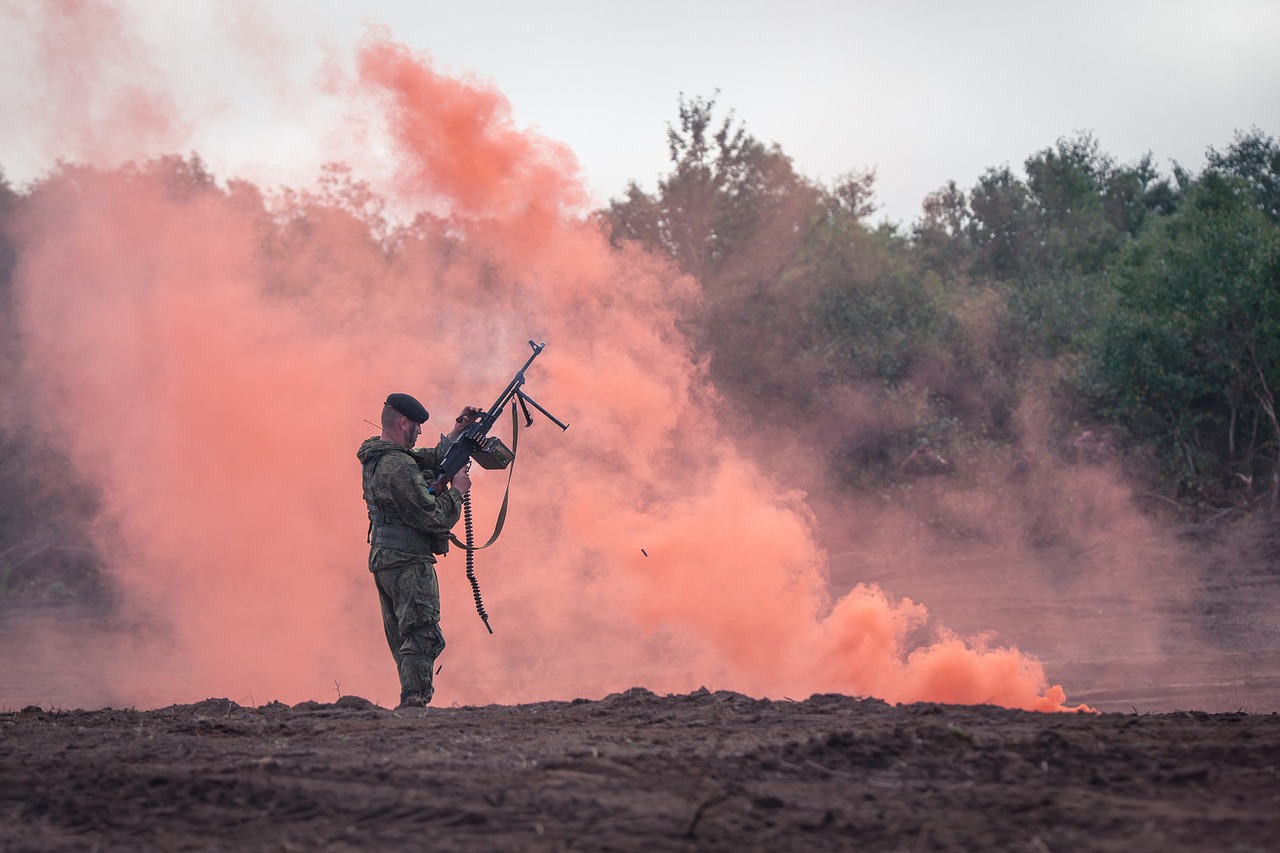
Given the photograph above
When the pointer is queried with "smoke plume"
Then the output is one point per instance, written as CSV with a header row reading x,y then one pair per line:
x,y
207,351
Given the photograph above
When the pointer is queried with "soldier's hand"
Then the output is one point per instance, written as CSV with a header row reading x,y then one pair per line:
x,y
468,416
464,419
462,480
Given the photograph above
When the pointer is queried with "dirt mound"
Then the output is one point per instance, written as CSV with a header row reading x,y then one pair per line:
x,y
636,770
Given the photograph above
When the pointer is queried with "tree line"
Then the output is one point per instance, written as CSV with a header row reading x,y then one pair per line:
x,y
1146,306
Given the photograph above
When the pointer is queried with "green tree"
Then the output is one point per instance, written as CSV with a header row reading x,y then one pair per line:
x,y
1190,359
1253,157
734,213
726,191
943,236
1002,226
873,313
1051,239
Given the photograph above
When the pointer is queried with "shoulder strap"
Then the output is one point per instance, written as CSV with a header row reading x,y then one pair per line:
x,y
502,513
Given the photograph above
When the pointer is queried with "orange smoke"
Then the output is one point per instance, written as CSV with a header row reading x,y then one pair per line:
x,y
97,96
208,358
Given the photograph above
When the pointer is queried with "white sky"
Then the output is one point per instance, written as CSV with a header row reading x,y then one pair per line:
x,y
921,91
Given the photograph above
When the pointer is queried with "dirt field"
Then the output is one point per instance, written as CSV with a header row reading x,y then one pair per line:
x,y
717,771
705,771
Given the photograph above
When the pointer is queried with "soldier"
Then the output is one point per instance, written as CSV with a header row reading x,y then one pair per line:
x,y
408,527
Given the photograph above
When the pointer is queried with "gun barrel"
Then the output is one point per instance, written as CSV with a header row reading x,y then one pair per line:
x,y
512,388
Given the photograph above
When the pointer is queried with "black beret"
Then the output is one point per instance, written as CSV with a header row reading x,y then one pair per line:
x,y
409,407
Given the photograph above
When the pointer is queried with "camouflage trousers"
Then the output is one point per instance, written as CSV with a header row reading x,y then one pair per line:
x,y
410,597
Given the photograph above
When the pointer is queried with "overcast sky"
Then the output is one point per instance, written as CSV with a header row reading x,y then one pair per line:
x,y
921,91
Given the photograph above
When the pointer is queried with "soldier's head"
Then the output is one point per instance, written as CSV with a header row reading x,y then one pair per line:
x,y
402,419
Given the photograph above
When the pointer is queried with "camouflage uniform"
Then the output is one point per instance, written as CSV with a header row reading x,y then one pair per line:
x,y
407,529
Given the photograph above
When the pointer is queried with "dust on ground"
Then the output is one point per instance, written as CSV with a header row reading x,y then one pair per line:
x,y
1188,762
703,771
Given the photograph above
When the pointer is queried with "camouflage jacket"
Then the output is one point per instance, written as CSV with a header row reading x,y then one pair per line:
x,y
400,483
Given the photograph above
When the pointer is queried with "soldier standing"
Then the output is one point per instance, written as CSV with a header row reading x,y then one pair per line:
x,y
408,528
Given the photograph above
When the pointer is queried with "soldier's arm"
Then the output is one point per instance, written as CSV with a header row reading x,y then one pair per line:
x,y
407,489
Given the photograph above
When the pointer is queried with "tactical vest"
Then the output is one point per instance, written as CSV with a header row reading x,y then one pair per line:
x,y
387,529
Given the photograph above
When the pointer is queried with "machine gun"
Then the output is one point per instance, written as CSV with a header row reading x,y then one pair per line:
x,y
489,451
475,441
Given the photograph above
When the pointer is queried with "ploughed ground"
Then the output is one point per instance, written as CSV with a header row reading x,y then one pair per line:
x,y
712,770
703,771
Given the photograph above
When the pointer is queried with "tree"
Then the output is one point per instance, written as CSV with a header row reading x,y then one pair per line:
x,y
734,213
725,189
1051,239
1191,356
1002,225
873,315
943,235
1253,157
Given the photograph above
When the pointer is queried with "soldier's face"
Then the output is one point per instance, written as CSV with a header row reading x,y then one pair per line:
x,y
406,433
411,432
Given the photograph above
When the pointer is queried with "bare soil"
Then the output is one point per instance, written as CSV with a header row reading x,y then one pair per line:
x,y
718,771
704,771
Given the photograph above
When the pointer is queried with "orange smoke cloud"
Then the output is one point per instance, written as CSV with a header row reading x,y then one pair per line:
x,y
465,147
79,107
208,357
